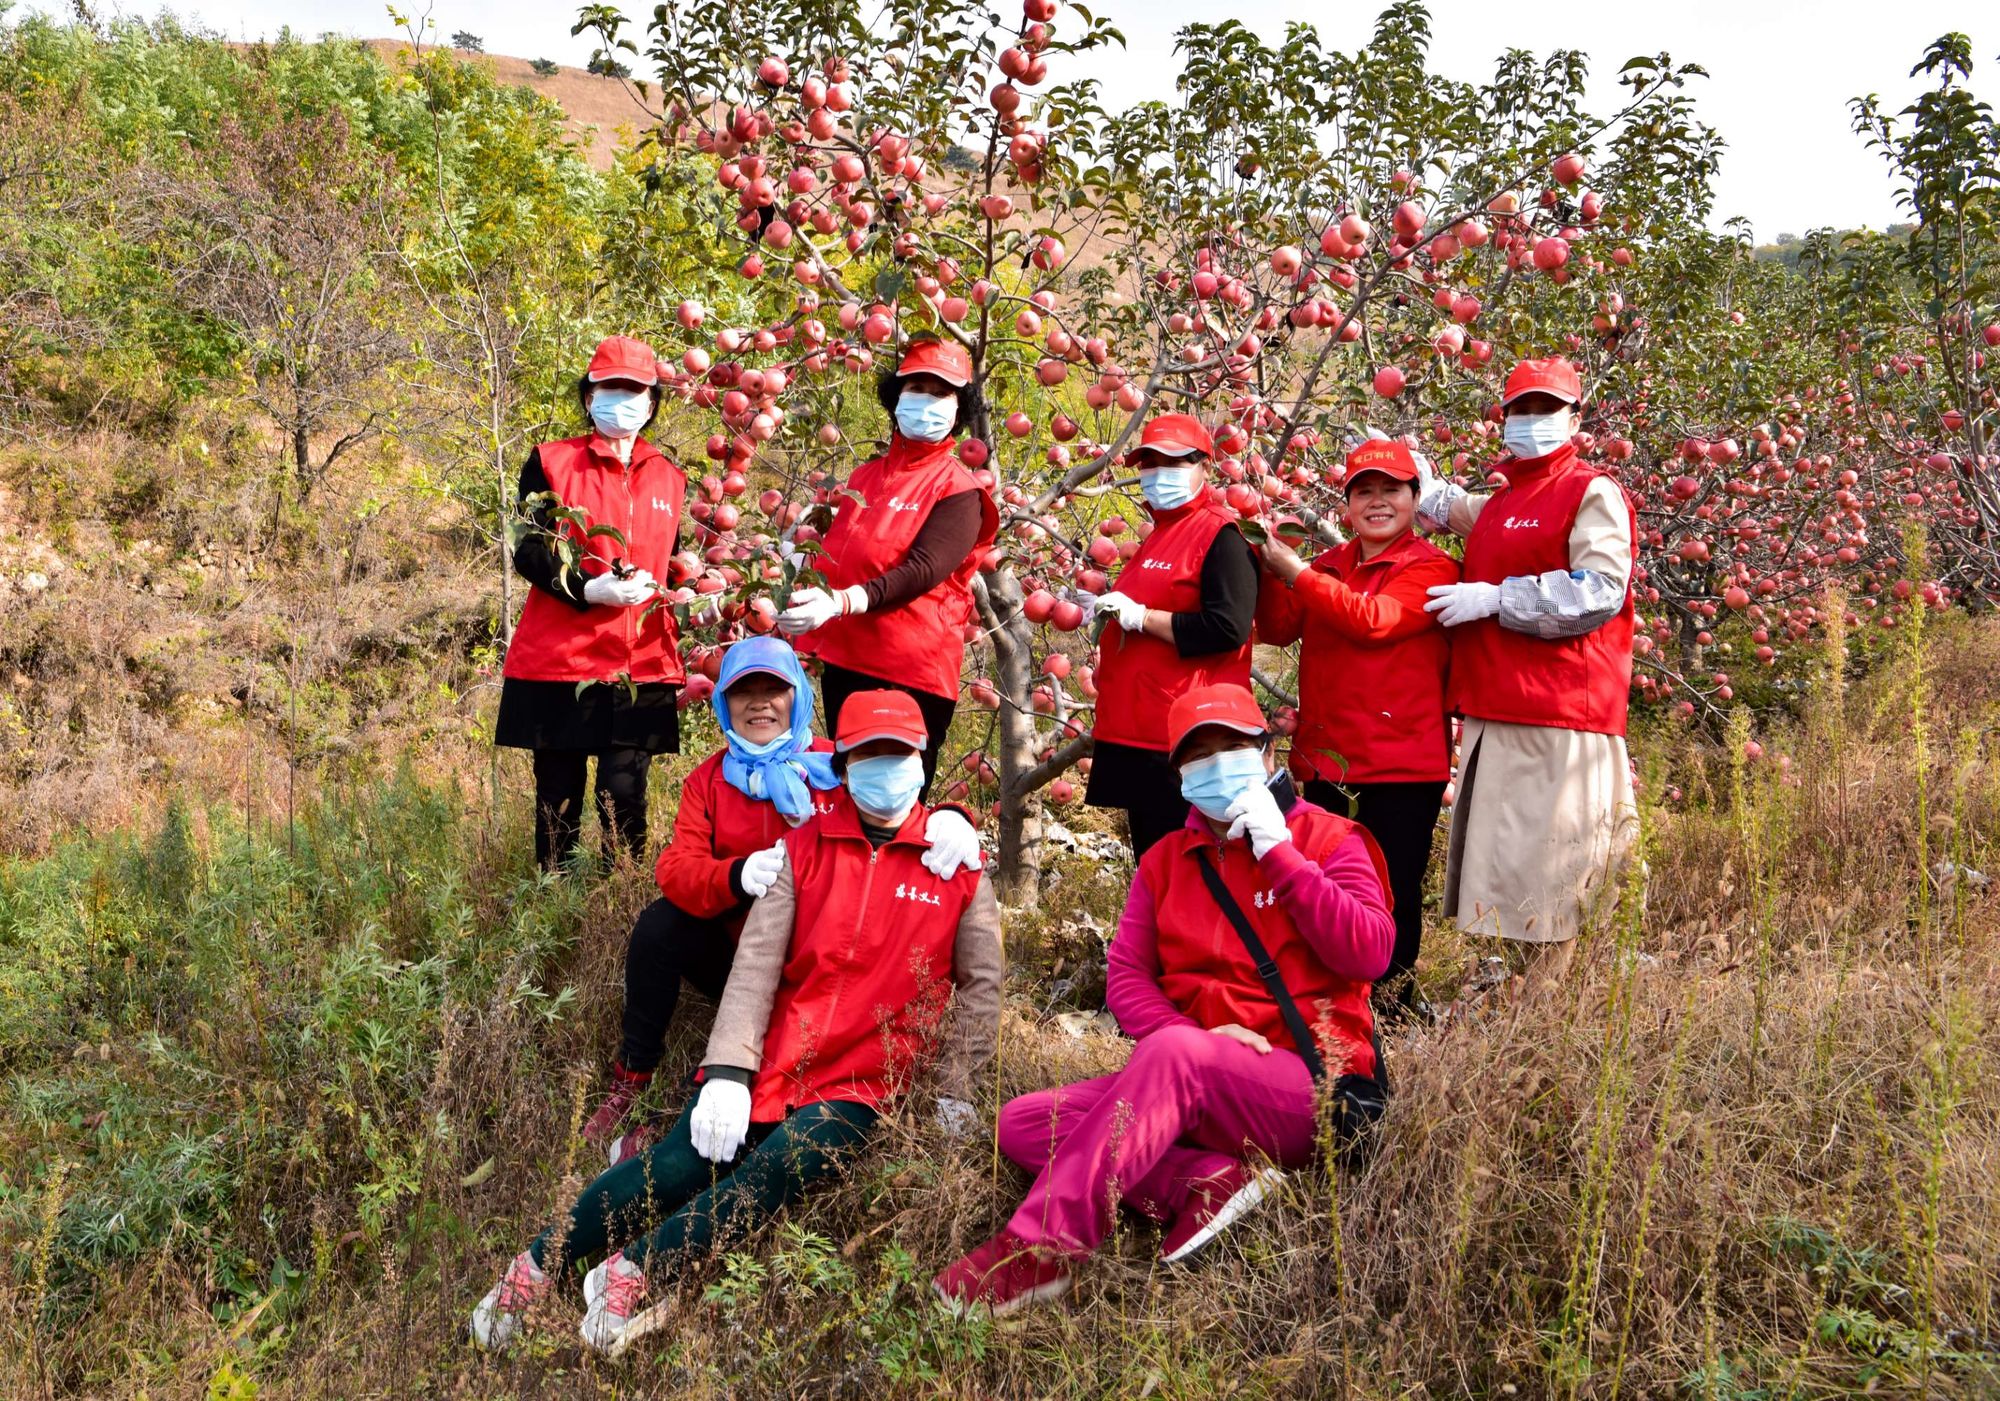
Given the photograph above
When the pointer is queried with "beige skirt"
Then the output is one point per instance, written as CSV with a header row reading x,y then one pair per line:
x,y
1540,828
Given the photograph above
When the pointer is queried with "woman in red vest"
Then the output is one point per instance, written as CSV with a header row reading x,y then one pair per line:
x,y
770,776
849,968
597,616
1216,1076
1541,664
899,557
1371,678
1180,616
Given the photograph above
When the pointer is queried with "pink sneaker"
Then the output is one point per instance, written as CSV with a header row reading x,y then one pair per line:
x,y
1219,1202
497,1317
611,1295
1003,1276
616,1107
634,1141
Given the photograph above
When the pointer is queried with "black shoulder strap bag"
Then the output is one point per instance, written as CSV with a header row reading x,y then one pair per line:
x,y
1358,1100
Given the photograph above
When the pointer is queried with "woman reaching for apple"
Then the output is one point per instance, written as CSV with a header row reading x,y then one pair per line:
x,y
906,537
1179,617
1541,665
594,614
1372,669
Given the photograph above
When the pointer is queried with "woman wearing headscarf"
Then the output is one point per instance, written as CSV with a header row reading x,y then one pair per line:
x,y
771,776
1372,666
1541,669
1180,616
908,530
594,613
858,971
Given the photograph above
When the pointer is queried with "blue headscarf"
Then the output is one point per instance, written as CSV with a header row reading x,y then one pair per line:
x,y
780,771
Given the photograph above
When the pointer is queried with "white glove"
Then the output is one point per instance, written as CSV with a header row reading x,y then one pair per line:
x,y
1255,815
720,1119
608,588
955,1118
1130,613
760,870
954,844
1463,603
811,608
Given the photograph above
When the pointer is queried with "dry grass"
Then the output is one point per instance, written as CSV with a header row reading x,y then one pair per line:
x,y
1746,1151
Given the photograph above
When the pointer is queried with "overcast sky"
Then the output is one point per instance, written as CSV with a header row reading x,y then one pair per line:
x,y
1781,71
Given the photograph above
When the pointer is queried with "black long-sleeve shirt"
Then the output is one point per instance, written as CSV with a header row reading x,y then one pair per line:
x,y
535,557
1228,599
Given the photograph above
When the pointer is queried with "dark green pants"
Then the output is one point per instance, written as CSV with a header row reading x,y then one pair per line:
x,y
673,1202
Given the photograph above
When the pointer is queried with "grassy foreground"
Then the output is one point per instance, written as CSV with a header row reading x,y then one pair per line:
x,y
279,1102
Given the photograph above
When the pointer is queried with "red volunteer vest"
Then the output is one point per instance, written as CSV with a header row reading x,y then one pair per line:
x,y
1207,973
884,505
719,824
1138,676
1571,683
868,976
555,642
1372,712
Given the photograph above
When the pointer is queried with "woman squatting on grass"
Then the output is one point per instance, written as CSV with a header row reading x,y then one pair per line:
x,y
849,968
1216,1089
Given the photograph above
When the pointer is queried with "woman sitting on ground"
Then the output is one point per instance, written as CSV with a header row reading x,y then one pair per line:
x,y
735,808
1216,1079
836,1001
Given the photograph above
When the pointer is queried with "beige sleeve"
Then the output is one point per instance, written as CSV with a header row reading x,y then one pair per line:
x,y
1601,539
1465,510
977,966
745,1014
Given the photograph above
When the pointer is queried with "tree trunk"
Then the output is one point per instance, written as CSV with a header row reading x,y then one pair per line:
x,y
1020,871
504,498
1690,644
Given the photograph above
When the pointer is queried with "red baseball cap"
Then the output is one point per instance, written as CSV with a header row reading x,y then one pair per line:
x,y
1389,456
880,715
624,357
1176,435
1552,376
948,360
1226,704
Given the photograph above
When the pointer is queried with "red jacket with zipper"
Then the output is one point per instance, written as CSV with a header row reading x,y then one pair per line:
x,y
716,826
880,510
1331,938
1372,670
643,501
868,975
1571,683
1139,676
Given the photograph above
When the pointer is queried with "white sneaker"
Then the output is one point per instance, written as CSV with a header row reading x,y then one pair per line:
x,y
611,1296
496,1320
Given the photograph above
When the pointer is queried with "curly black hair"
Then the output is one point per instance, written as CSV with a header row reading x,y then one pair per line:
x,y
584,384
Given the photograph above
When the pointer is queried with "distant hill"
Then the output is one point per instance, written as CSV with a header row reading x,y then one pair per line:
x,y
602,110
1789,246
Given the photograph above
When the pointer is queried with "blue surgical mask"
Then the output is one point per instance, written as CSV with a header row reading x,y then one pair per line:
x,y
1212,784
619,413
886,787
1168,487
926,418
1536,434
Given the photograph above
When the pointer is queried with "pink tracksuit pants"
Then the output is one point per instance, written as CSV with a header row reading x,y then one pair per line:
x,y
1188,1105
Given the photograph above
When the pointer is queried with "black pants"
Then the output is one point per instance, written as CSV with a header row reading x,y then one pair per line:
x,y
670,1205
668,944
1151,822
837,683
560,775
1144,784
1402,817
